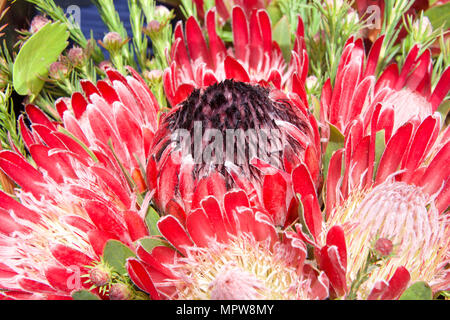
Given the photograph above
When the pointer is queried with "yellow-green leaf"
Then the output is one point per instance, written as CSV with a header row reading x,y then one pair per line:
x,y
36,55
418,291
151,219
335,143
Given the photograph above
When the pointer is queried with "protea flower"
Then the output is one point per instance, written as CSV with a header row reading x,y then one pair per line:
x,y
84,191
226,252
217,89
393,216
239,116
404,94
255,58
224,7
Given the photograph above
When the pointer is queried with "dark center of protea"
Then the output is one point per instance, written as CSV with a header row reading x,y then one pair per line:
x,y
230,123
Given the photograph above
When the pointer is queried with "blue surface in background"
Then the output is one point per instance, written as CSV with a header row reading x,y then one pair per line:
x,y
91,20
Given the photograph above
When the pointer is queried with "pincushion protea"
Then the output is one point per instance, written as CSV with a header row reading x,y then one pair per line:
x,y
401,202
227,252
83,192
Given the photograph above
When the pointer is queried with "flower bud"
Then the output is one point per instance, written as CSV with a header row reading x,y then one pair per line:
x,y
58,71
162,12
119,291
311,83
112,41
99,276
37,23
384,247
76,56
153,75
153,27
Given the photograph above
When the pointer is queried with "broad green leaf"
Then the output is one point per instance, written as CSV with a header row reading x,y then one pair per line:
x,y
282,35
115,254
151,219
84,295
439,16
335,143
418,291
37,54
150,243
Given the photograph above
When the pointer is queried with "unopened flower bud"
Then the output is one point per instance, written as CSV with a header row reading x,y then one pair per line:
x,y
37,23
311,83
76,56
153,75
119,291
153,27
99,276
58,71
384,247
112,41
162,12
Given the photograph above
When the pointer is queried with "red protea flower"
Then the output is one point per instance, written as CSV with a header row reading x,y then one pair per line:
x,y
255,58
234,113
226,252
83,192
404,95
400,204
224,7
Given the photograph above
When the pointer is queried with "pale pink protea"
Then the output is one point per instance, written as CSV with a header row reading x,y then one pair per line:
x,y
256,58
404,94
82,193
400,204
226,252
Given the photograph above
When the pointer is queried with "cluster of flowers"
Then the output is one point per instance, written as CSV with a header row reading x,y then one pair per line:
x,y
109,207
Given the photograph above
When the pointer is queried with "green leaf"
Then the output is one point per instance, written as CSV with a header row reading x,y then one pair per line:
x,y
115,254
274,12
335,143
439,16
150,243
282,35
37,54
84,295
418,291
380,145
444,109
151,219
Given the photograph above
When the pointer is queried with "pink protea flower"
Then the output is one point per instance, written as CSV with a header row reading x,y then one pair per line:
x,y
401,201
255,58
404,94
83,191
226,252
236,112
